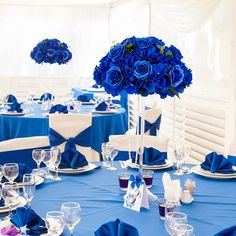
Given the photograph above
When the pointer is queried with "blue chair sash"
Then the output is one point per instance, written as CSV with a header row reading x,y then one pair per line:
x,y
152,127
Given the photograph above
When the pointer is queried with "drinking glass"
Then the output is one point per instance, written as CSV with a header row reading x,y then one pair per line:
x,y
172,219
179,157
56,159
186,152
10,171
10,193
47,161
172,206
113,153
72,214
105,154
1,173
183,230
148,177
38,156
124,180
55,222
109,101
77,105
29,187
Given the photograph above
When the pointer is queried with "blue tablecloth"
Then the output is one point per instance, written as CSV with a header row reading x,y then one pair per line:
x,y
103,125
101,200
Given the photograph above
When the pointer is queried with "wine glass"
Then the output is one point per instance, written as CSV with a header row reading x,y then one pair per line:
x,y
38,156
55,222
29,187
183,230
1,173
47,161
77,105
172,219
179,157
186,152
105,154
72,214
10,193
113,154
10,171
56,159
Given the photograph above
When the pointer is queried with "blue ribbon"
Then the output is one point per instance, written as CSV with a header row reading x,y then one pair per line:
x,y
136,181
152,127
71,153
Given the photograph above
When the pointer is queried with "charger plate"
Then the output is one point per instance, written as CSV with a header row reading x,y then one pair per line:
x,y
38,180
8,113
21,201
199,171
80,170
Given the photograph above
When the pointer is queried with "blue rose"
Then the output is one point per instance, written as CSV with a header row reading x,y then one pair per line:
x,y
114,77
175,52
176,76
143,43
117,52
142,69
50,52
97,75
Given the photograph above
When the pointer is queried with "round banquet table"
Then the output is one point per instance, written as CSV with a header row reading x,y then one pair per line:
x,y
101,200
103,125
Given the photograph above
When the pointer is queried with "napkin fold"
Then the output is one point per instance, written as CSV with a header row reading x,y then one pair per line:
x,y
59,108
101,107
116,228
2,202
151,156
231,231
11,98
232,159
83,98
95,86
217,163
15,106
46,97
27,217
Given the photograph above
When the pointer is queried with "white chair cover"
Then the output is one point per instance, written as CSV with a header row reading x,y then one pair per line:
x,y
70,125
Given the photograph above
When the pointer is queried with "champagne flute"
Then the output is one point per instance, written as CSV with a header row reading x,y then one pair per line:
x,y
56,159
29,187
55,222
10,171
10,193
1,173
72,214
113,154
38,156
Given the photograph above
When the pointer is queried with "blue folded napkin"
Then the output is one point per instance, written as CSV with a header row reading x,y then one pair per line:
x,y
11,98
231,231
15,106
101,107
217,163
59,108
116,228
232,159
95,86
151,156
2,202
46,97
27,217
83,98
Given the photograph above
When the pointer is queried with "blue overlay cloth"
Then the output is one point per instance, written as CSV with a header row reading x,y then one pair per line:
x,y
71,157
83,98
46,97
231,231
152,127
15,106
11,98
27,217
59,108
116,228
101,107
217,163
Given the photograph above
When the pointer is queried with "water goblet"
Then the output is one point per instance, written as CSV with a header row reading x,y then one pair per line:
x,y
10,193
179,157
105,154
183,230
56,159
1,173
47,161
172,219
29,187
72,214
38,156
186,152
55,222
10,171
113,153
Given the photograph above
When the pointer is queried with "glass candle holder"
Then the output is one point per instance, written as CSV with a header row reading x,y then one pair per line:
x,y
124,180
148,177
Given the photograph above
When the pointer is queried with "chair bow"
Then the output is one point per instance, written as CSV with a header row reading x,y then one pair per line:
x,y
152,127
71,155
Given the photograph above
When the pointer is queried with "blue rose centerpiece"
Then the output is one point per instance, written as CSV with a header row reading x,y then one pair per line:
x,y
143,66
51,51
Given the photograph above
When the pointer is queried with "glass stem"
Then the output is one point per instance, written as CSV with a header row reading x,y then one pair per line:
x,y
38,166
10,209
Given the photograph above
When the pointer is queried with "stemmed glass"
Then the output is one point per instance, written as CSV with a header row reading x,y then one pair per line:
x,y
172,219
179,157
29,187
105,154
72,214
114,151
1,173
11,171
183,230
186,152
38,156
55,222
56,159
47,161
10,193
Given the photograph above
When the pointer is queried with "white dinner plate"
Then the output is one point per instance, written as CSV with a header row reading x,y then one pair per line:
x,y
21,201
38,180
111,111
199,171
95,89
9,113
168,164
89,103
83,169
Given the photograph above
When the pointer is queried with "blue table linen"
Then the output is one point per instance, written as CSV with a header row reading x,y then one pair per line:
x,y
59,108
217,163
116,228
29,218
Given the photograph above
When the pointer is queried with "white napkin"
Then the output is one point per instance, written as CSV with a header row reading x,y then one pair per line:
x,y
172,188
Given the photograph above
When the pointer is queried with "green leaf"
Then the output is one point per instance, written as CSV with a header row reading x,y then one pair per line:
x,y
114,45
161,48
129,47
173,91
169,53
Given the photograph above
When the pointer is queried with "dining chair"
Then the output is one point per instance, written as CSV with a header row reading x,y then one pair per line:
x,y
72,129
19,150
